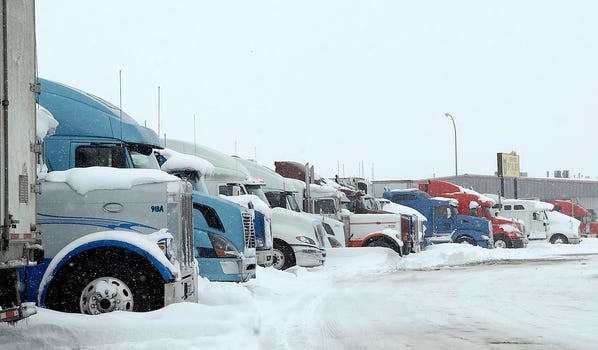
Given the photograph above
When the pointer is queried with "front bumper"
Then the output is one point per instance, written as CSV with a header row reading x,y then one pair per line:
x,y
227,269
183,289
519,242
264,257
574,240
307,256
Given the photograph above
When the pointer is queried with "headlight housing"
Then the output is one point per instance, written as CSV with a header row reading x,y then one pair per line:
x,y
306,240
222,247
166,245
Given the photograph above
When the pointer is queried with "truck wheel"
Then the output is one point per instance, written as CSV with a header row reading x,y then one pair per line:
x,y
466,240
502,241
282,256
380,242
105,280
558,239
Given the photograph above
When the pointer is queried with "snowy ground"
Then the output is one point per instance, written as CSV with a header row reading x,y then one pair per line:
x,y
447,297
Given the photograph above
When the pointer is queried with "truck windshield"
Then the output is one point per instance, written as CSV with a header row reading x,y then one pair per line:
x,y
325,205
276,199
257,191
143,161
292,202
198,183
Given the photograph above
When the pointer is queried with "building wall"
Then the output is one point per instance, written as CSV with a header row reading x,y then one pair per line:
x,y
584,192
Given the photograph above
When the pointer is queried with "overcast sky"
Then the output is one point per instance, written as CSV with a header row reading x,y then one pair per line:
x,y
342,81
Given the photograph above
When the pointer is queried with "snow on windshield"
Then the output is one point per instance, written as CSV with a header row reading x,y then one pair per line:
x,y
176,161
83,180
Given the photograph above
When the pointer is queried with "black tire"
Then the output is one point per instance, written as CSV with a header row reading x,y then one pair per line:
x,y
559,238
466,239
142,279
381,242
282,251
502,241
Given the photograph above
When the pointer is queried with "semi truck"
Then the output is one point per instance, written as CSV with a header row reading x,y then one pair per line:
x,y
20,237
280,192
507,232
444,223
115,239
297,239
117,140
216,263
544,223
589,227
371,229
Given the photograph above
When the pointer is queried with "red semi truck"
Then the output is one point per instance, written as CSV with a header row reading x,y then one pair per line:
x,y
588,227
507,233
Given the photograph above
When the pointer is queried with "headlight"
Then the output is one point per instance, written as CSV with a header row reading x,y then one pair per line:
x,y
222,247
306,240
259,242
485,238
166,245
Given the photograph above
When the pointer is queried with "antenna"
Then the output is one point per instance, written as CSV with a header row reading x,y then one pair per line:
x,y
194,137
120,102
158,110
235,147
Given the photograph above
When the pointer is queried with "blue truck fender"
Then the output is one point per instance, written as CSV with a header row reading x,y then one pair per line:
x,y
138,243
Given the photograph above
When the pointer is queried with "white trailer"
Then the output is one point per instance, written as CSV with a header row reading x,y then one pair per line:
x,y
19,239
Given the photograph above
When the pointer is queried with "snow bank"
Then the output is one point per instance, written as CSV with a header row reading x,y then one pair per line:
x,y
244,200
176,161
84,180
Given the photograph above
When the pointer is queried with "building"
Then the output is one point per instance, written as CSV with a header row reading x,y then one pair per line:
x,y
584,192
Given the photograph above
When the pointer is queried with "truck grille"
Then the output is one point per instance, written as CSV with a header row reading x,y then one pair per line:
x,y
249,230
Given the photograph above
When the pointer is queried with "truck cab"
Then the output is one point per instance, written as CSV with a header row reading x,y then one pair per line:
x,y
532,212
544,223
93,132
216,263
589,227
444,223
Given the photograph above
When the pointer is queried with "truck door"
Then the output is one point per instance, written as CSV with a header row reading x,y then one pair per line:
x,y
442,221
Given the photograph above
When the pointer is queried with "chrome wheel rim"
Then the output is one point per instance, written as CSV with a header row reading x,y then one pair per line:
x,y
106,294
277,259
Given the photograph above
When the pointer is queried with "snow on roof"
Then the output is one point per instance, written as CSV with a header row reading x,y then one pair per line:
x,y
84,180
481,197
180,161
45,122
244,200
400,209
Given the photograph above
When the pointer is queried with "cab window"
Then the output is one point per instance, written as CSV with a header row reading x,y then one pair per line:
x,y
107,156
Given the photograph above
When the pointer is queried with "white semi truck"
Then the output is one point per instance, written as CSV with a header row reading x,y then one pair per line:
x,y
298,239
20,237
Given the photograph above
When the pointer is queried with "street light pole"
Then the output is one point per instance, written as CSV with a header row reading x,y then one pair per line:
x,y
455,130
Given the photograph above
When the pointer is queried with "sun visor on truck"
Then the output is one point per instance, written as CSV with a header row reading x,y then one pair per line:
x,y
81,114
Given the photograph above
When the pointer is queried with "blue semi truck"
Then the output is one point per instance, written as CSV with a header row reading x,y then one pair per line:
x,y
444,223
93,132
